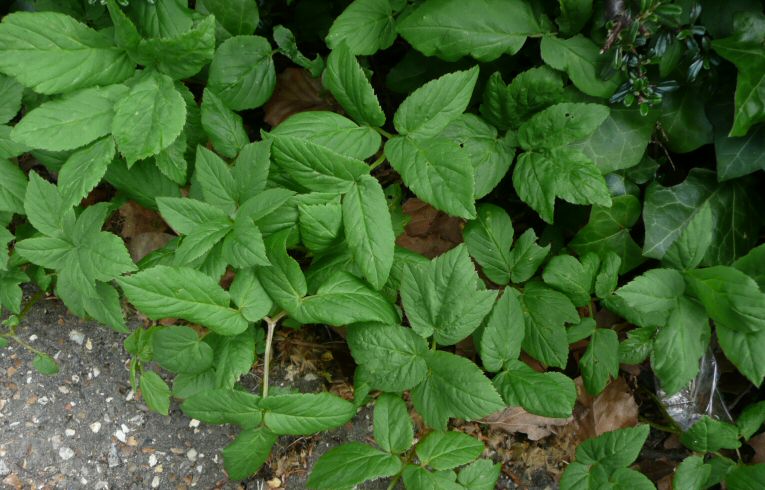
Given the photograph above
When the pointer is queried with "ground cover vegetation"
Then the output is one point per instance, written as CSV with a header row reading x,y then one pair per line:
x,y
602,159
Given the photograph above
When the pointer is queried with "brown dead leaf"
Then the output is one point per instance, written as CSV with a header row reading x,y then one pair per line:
x,y
516,419
758,444
143,244
615,408
296,91
430,231
143,229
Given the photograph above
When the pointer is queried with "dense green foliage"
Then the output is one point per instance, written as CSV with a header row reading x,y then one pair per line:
x,y
615,170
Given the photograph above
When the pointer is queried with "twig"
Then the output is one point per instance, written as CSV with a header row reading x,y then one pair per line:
x,y
271,322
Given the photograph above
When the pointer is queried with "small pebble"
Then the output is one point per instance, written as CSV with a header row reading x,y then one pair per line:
x,y
192,455
155,482
77,337
194,423
120,435
152,461
4,470
65,453
95,427
114,458
63,389
32,338
69,432
89,344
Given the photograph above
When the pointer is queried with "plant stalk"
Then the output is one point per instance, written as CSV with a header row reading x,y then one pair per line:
x,y
271,322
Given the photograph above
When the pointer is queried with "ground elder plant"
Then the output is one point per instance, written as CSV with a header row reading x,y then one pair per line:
x,y
604,159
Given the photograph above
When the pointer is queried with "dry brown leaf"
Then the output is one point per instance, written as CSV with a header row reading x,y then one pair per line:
x,y
137,219
615,408
296,91
758,444
430,231
516,419
143,244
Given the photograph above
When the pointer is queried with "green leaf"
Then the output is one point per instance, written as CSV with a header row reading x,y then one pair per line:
x,y
224,406
545,313
751,420
351,464
143,182
608,230
126,34
730,297
566,274
53,53
442,298
692,474
242,72
71,121
621,141
283,279
180,56
285,40
249,295
187,385
305,414
547,394
10,290
155,392
44,364
316,167
655,293
430,108
744,49
167,292
736,156
615,449
600,361
13,187
624,478
581,59
248,452
161,19
366,26
347,81
320,225
679,346
235,16
684,121
187,215
501,337
488,239
447,450
224,126
48,252
574,14
393,354
490,156
753,265
744,349
691,246
453,387
83,171
438,171
527,256
581,330
10,102
345,299
251,169
105,307
8,147
418,478
560,125
392,424
180,350
368,231
709,435
216,180
149,118
608,275
748,477
333,131
44,208
445,29
531,91
480,475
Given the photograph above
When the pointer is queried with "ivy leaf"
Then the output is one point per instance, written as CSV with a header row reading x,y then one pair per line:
x,y
224,126
501,337
155,392
447,450
744,49
442,298
166,292
180,350
368,230
730,297
488,239
608,230
545,312
351,464
53,53
347,81
547,394
242,72
305,414
438,171
224,406
248,452
736,156
445,29
709,435
366,26
453,387
430,108
600,361
684,121
581,59
392,424
394,355
149,118
71,121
